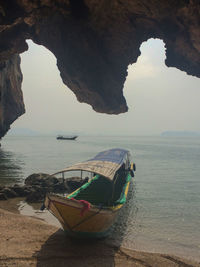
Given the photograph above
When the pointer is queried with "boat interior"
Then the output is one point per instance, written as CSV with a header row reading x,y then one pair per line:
x,y
100,191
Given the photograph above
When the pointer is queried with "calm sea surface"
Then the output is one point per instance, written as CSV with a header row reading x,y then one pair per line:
x,y
163,211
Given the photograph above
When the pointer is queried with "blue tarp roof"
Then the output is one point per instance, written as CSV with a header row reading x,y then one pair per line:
x,y
115,155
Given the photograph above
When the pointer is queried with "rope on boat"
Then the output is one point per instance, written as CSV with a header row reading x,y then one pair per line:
x,y
86,205
65,222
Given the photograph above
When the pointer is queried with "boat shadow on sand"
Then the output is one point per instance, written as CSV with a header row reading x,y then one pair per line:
x,y
60,250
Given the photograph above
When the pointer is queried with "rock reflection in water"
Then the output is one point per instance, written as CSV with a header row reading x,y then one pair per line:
x,y
10,168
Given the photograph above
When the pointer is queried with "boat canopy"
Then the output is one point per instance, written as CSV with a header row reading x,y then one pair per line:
x,y
105,163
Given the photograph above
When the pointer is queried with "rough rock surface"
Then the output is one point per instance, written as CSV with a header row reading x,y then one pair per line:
x,y
94,41
37,185
11,98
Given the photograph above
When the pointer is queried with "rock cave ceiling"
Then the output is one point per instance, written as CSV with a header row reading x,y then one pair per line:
x,y
94,41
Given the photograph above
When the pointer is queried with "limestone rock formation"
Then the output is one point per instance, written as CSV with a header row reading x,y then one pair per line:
x,y
11,99
94,41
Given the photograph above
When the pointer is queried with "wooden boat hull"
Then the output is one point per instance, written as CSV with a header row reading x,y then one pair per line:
x,y
95,222
91,210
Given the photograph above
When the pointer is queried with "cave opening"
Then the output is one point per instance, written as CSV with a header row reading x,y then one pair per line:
x,y
159,98
163,98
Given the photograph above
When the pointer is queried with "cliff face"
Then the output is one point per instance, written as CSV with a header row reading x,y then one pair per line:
x,y
94,41
11,99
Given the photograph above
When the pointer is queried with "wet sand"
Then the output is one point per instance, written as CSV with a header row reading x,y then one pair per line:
x,y
28,241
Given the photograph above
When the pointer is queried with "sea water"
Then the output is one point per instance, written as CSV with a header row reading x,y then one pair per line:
x,y
163,209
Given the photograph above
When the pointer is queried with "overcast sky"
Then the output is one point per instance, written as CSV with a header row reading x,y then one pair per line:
x,y
159,98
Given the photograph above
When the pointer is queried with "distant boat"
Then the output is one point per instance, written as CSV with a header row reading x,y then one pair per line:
x,y
91,209
65,137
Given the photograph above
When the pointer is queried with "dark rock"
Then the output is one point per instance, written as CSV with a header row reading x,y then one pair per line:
x,y
41,180
75,182
60,187
35,196
21,191
26,192
37,193
11,98
38,185
51,181
41,189
9,193
36,178
3,196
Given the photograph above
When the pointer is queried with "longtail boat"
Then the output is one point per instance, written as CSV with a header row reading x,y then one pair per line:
x,y
91,210
66,137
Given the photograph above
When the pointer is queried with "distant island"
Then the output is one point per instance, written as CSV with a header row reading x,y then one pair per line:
x,y
22,132
17,131
180,133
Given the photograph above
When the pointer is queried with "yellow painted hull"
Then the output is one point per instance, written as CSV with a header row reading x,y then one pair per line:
x,y
94,222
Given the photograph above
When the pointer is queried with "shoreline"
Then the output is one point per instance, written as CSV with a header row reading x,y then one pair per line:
x,y
30,241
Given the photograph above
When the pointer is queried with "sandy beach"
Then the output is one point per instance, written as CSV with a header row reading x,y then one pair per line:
x,y
27,241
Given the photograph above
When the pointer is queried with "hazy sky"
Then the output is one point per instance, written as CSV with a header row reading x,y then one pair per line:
x,y
159,98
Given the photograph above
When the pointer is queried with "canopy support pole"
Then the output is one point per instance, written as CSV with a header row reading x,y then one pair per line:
x,y
113,186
